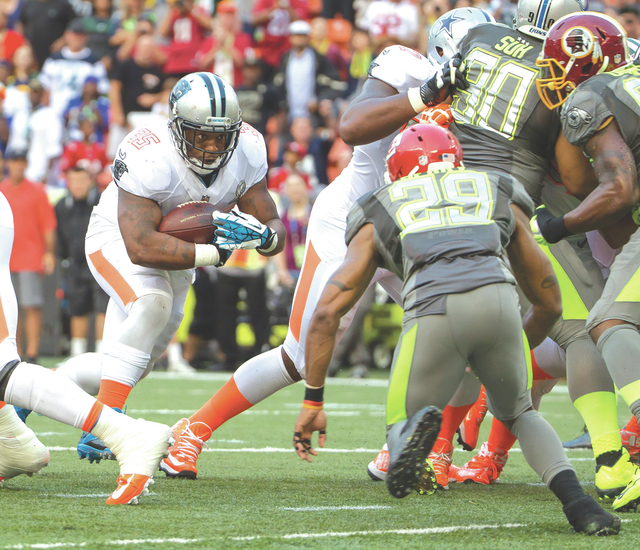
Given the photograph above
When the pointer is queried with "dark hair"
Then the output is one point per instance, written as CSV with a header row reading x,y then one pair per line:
x,y
77,168
630,8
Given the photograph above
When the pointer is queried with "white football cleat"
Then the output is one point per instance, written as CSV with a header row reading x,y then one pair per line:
x,y
20,450
139,447
180,367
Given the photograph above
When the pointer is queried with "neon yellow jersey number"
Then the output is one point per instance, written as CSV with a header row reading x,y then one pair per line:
x,y
497,94
443,199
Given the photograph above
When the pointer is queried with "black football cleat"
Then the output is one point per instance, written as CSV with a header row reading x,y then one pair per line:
x,y
586,516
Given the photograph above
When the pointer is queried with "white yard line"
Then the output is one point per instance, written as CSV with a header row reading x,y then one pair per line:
x,y
255,450
328,534
332,508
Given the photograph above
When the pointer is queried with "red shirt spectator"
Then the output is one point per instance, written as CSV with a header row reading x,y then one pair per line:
x,y
10,41
90,156
272,18
185,27
33,216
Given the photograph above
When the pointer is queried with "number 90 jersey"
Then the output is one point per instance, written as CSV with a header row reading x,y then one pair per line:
x,y
442,233
595,101
499,120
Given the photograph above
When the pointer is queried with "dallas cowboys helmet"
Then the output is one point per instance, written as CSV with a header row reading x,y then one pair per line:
x,y
447,32
634,48
536,17
204,102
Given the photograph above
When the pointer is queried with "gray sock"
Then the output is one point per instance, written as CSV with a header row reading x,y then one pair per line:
x,y
540,445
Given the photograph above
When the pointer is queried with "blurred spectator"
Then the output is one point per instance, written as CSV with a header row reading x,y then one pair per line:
x,y
630,15
44,22
330,38
344,8
392,21
10,40
271,19
89,104
292,156
24,66
258,100
100,27
40,133
305,76
133,21
226,49
86,154
361,57
66,71
136,84
81,290
245,269
296,221
12,8
184,26
33,248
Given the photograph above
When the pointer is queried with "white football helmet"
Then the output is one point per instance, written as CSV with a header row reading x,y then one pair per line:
x,y
204,102
536,17
449,30
634,48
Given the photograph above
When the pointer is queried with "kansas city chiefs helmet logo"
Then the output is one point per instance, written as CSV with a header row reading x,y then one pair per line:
x,y
578,42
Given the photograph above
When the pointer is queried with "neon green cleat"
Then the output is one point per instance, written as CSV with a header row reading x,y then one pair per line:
x,y
612,480
629,498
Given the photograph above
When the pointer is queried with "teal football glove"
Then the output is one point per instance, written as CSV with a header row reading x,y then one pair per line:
x,y
243,231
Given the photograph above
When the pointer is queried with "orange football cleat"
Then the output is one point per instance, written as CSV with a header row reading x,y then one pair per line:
x,y
183,455
130,488
440,458
484,468
470,428
631,441
378,467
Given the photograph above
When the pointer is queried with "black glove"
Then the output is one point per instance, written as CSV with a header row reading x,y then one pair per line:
x,y
552,229
224,256
440,85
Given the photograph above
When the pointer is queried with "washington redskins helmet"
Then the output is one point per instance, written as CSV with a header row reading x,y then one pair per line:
x,y
577,47
422,148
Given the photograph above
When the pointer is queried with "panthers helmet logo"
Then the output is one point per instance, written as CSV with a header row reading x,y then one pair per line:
x,y
578,42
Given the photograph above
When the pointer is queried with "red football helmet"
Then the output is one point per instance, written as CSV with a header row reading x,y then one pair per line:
x,y
422,148
577,47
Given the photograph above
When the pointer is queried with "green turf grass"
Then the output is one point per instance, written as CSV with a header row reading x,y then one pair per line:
x,y
245,494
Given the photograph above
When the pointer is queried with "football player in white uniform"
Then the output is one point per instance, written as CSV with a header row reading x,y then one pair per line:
x,y
138,445
205,153
401,83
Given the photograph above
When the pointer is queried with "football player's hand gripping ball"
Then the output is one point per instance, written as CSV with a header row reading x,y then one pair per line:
x,y
243,231
439,86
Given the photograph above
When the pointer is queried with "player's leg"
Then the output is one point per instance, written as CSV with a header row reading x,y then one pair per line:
x,y
548,364
613,326
502,368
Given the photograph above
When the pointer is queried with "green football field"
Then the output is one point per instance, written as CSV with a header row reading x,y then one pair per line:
x,y
254,492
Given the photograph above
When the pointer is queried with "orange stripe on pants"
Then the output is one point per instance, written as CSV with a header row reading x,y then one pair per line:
x,y
113,278
311,263
4,329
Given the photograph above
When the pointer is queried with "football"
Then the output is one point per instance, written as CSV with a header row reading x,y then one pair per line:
x,y
191,222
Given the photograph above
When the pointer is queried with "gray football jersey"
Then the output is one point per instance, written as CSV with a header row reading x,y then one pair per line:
x,y
442,233
615,94
500,120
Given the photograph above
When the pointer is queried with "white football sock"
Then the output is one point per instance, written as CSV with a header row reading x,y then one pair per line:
x,y
174,353
83,370
262,376
78,346
38,389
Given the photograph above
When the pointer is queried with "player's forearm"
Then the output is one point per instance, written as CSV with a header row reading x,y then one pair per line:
x,y
321,340
372,119
277,226
159,251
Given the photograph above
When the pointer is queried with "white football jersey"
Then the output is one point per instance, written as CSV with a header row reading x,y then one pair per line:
x,y
402,68
148,165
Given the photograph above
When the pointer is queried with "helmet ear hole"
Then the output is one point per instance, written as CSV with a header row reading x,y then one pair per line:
x,y
586,69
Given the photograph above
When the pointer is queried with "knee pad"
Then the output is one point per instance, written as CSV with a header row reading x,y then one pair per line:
x,y
610,331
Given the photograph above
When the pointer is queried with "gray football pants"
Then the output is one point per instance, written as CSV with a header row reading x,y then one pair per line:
x,y
481,328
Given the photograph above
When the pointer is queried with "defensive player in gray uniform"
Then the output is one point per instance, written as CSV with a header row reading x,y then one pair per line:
x,y
503,125
602,117
446,231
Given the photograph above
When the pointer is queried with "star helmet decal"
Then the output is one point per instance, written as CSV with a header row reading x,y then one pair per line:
x,y
446,22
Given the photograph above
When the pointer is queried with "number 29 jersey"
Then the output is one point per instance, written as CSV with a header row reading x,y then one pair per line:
x,y
500,120
442,233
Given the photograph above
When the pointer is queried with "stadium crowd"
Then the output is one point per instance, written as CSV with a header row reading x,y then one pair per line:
x,y
77,76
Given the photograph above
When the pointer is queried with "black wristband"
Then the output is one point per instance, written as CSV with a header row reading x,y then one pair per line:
x,y
314,394
557,230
